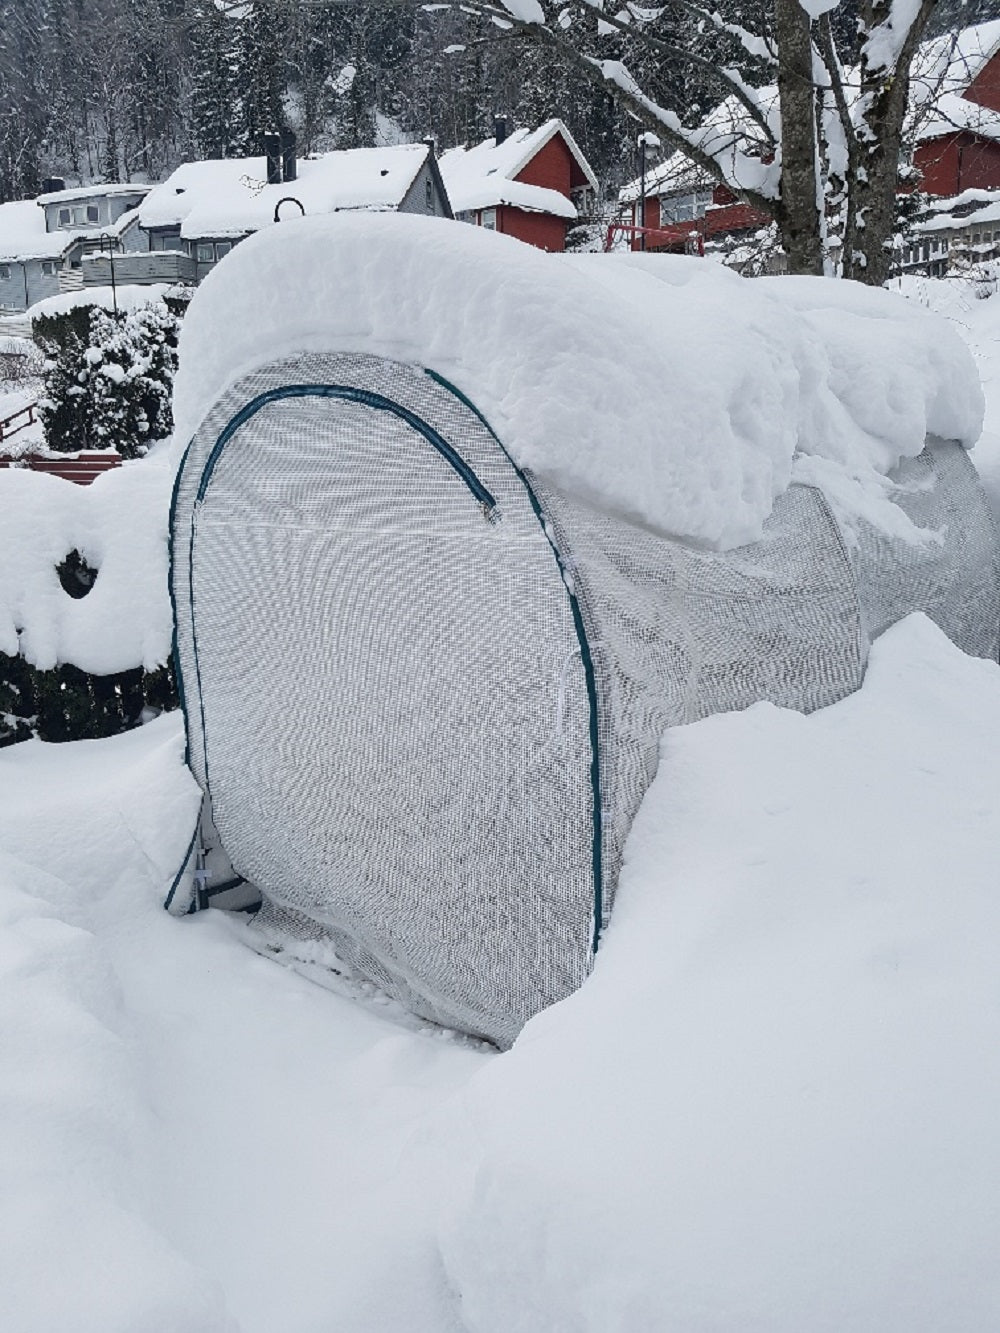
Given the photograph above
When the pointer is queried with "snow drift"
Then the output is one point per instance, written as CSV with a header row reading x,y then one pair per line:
x,y
771,1109
679,403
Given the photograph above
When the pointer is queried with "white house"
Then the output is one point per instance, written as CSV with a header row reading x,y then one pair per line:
x,y
204,208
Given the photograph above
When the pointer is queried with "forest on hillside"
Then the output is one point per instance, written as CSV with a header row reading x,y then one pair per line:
x,y
123,89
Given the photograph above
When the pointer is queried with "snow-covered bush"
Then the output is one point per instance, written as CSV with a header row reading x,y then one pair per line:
x,y
108,378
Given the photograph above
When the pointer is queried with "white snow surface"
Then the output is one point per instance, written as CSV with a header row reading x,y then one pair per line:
x,y
771,1109
660,387
773,1105
127,296
119,525
23,234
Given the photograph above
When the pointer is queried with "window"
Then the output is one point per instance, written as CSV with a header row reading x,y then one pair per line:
x,y
65,217
222,248
93,213
429,193
206,252
489,219
4,273
48,268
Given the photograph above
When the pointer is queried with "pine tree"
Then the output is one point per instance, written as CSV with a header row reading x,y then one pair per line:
x,y
213,72
108,378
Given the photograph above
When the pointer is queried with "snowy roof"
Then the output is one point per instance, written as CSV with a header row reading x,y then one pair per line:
x,y
484,175
951,113
971,208
951,62
90,192
23,234
231,197
714,387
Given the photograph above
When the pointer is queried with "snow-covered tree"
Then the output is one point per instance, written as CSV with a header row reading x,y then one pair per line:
x,y
108,378
810,110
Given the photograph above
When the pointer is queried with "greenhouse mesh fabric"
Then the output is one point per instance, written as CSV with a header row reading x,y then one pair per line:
x,y
426,693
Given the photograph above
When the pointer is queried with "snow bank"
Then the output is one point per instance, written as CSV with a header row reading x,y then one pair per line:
x,y
680,403
79,1248
128,296
773,1107
119,526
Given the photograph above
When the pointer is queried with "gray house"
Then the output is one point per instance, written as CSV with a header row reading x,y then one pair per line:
x,y
196,216
44,242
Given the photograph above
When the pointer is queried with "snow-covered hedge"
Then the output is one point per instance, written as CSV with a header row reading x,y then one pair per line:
x,y
118,524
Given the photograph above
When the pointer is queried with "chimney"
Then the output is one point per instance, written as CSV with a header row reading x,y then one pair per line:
x,y
53,184
288,166
272,151
499,129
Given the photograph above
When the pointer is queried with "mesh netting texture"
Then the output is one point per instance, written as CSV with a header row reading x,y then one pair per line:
x,y
426,693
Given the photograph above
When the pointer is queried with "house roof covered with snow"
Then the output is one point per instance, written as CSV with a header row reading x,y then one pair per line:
x,y
23,235
485,175
230,196
91,192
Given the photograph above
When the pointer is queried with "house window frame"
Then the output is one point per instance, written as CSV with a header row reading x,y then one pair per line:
x,y
93,213
65,216
4,273
488,219
49,268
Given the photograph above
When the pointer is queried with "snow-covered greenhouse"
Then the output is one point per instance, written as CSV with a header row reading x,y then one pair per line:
x,y
452,547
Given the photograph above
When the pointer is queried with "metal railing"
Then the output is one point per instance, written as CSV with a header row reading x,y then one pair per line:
x,y
7,426
691,238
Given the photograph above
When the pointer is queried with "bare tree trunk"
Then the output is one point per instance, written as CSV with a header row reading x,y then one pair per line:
x,y
885,94
799,211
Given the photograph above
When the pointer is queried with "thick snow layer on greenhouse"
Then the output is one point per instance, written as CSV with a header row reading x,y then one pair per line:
x,y
680,403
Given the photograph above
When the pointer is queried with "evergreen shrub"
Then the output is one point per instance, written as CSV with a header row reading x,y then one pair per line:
x,y
108,378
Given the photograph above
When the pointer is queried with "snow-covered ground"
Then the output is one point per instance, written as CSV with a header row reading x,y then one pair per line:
x,y
773,1107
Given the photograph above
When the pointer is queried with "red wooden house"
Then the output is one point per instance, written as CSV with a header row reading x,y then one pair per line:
x,y
532,184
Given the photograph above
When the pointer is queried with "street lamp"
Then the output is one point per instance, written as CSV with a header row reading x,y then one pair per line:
x,y
646,139
111,259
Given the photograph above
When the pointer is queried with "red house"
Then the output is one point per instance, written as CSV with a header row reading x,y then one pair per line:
x,y
532,184
958,138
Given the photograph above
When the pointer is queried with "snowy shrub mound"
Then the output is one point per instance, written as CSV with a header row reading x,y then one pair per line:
x,y
118,525
671,392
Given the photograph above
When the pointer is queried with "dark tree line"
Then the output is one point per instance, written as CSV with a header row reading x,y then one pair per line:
x,y
117,89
